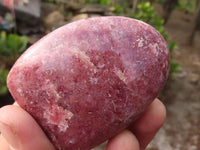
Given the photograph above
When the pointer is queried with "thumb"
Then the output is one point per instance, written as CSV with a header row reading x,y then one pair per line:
x,y
21,131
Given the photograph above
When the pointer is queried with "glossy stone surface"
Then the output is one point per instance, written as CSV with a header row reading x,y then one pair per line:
x,y
88,80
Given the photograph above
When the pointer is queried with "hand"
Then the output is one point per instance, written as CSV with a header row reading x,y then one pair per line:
x,y
30,136
20,131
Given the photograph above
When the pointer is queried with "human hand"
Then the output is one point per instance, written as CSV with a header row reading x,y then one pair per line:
x,y
21,132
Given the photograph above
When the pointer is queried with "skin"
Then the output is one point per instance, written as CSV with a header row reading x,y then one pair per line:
x,y
21,132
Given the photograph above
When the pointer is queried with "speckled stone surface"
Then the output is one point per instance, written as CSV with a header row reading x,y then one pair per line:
x,y
88,80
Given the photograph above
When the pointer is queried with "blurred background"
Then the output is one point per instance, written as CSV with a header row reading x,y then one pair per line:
x,y
23,22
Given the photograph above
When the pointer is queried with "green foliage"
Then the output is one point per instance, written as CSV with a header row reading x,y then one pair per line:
x,y
120,9
172,46
3,77
147,13
188,5
102,2
174,66
160,1
12,44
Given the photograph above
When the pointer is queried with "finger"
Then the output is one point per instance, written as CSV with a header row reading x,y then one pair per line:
x,y
3,143
123,141
21,131
149,123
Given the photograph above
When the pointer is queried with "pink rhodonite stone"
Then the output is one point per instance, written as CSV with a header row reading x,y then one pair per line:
x,y
88,80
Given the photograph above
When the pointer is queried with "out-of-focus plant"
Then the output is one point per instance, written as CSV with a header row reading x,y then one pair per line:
x,y
147,13
11,46
160,1
121,10
3,77
174,66
102,2
188,5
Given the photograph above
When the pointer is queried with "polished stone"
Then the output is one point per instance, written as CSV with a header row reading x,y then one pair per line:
x,y
88,80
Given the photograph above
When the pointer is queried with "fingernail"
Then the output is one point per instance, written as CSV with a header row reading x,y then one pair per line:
x,y
10,135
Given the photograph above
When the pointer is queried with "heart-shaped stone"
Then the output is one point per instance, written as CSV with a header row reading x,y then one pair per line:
x,y
88,80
